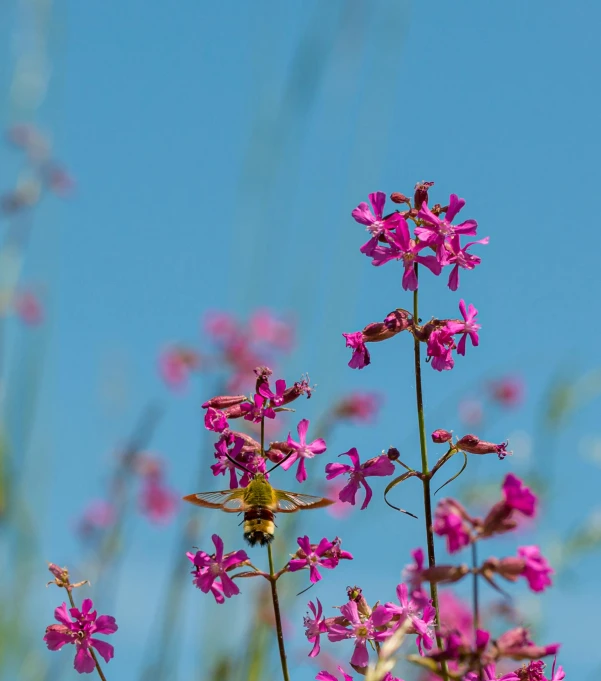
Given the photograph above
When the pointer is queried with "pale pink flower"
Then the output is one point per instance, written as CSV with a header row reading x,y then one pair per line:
x,y
359,407
266,328
507,391
157,501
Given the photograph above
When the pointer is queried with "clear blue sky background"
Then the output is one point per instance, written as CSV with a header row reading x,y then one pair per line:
x,y
219,149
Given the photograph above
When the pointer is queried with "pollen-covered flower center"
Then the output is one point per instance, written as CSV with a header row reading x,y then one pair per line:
x,y
362,631
376,228
215,569
446,229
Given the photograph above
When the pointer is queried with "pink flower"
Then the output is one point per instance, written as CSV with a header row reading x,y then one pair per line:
x,y
537,569
377,466
210,572
326,554
97,516
157,501
455,255
326,676
175,365
403,247
258,410
439,436
360,356
450,523
440,348
265,328
28,308
215,420
276,398
412,573
315,627
473,445
376,225
77,627
358,407
519,497
362,630
507,391
223,462
468,327
301,450
435,230
410,608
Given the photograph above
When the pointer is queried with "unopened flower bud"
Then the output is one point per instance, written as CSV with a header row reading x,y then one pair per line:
x,y
393,453
473,445
262,373
446,574
498,520
439,436
233,412
223,401
509,568
397,197
421,193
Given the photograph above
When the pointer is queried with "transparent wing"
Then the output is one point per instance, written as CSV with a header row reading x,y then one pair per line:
x,y
289,502
228,500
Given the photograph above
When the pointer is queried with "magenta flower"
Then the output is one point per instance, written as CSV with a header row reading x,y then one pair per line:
x,y
311,556
489,673
315,627
376,225
403,247
362,630
360,356
77,627
537,568
210,572
258,410
276,398
468,327
455,255
518,496
215,420
377,466
440,348
223,462
474,445
410,608
412,573
450,523
301,450
435,230
326,676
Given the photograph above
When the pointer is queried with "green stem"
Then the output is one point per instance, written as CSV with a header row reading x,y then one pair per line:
x,y
278,617
425,472
91,651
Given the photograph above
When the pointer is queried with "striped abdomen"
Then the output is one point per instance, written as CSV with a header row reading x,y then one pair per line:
x,y
258,525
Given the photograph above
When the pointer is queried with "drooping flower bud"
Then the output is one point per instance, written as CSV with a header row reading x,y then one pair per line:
x,y
473,445
223,401
439,436
421,193
445,574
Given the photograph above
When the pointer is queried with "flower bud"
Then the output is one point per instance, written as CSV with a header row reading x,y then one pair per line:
x,y
473,445
439,436
421,193
397,197
398,320
262,373
446,574
223,401
498,520
393,454
233,412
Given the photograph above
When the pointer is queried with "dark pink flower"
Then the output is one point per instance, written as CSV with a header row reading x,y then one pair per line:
x,y
468,327
326,554
301,450
459,257
537,568
435,230
223,462
210,572
276,398
412,573
215,420
376,225
440,348
449,522
360,356
315,627
326,676
361,629
77,627
420,614
258,410
403,247
518,496
377,466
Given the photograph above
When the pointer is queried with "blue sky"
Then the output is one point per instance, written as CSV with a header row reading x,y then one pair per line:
x,y
219,149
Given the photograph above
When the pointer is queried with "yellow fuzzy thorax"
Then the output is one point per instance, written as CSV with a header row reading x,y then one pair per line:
x,y
260,493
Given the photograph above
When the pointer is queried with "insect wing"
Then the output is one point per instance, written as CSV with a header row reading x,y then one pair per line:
x,y
230,501
289,502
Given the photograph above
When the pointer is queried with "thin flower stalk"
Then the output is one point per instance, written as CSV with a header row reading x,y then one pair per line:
x,y
90,650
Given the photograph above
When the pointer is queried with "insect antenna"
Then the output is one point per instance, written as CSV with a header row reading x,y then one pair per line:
x,y
300,593
281,462
240,465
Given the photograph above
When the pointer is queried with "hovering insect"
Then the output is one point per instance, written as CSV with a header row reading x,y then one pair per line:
x,y
259,502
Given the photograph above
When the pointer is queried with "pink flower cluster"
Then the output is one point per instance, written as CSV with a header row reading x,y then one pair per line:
x,y
309,556
391,239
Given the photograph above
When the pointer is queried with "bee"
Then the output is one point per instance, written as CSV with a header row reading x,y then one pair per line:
x,y
259,502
